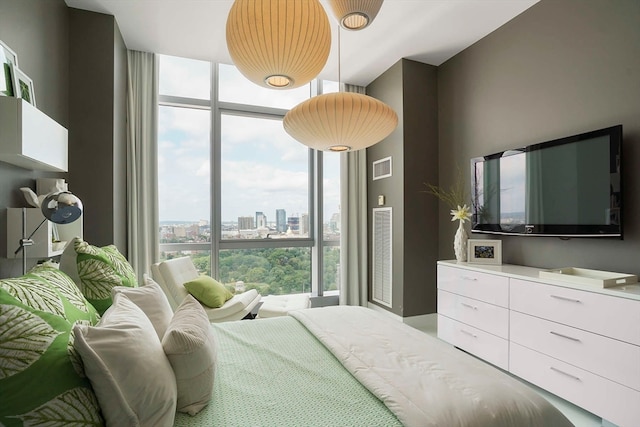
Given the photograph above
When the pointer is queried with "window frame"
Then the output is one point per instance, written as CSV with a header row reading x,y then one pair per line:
x,y
315,240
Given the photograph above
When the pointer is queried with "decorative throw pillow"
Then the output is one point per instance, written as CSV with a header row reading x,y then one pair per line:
x,y
152,301
127,367
190,347
208,291
42,381
96,271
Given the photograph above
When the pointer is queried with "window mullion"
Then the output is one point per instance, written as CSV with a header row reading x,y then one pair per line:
x,y
215,173
316,222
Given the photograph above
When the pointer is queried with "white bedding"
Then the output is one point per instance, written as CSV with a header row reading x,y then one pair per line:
x,y
422,380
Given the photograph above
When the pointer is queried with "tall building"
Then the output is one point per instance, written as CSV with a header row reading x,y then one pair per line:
x,y
261,220
245,223
304,224
281,221
293,222
334,222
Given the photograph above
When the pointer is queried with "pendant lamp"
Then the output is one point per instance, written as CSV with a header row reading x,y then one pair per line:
x,y
355,14
280,44
343,121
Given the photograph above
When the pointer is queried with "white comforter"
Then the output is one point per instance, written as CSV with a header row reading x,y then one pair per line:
x,y
421,379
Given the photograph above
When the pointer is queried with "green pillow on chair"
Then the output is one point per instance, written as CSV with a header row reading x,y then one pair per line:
x,y
208,291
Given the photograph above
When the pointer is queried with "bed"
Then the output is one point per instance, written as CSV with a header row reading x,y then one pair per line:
x,y
138,361
352,366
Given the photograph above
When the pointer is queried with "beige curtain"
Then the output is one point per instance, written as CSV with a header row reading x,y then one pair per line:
x,y
142,154
353,236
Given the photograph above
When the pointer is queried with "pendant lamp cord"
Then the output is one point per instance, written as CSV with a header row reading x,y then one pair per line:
x,y
340,89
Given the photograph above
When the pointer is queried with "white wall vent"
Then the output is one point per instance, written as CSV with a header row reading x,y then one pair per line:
x,y
382,246
382,168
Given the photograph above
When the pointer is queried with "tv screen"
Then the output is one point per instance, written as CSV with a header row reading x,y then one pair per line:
x,y
567,187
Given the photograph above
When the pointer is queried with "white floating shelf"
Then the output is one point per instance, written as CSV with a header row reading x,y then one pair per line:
x,y
31,139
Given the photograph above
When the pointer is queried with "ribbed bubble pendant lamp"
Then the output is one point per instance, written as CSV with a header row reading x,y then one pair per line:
x,y
343,121
355,14
278,43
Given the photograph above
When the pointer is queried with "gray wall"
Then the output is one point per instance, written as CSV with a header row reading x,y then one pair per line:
x,y
77,61
97,136
410,88
38,32
560,68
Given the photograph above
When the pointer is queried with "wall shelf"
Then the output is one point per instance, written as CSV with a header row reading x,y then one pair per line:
x,y
31,139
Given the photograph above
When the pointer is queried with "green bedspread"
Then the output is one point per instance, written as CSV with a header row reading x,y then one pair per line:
x,y
273,372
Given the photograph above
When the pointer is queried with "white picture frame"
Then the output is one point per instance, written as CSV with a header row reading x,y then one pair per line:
x,y
484,251
8,58
23,86
10,55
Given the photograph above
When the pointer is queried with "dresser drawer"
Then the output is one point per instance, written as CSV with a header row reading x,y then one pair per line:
x,y
484,345
612,359
607,399
480,286
607,315
484,316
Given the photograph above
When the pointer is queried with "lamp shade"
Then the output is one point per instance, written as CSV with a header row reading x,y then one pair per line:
x,y
278,43
62,207
355,14
343,121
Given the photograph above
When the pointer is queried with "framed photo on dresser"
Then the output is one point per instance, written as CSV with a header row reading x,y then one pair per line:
x,y
484,251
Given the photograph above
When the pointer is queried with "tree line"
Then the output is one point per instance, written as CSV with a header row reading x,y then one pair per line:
x,y
271,271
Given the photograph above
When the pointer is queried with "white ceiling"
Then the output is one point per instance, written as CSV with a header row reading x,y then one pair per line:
x,y
429,31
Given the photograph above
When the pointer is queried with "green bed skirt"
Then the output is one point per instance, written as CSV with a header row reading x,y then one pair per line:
x,y
273,372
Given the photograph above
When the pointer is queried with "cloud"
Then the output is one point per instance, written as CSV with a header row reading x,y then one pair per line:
x,y
187,78
262,167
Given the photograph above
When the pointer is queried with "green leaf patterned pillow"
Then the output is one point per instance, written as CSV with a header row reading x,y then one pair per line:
x,y
42,380
96,271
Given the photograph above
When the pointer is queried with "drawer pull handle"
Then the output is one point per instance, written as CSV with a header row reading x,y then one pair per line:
x,y
468,333
566,298
564,336
470,278
565,373
469,305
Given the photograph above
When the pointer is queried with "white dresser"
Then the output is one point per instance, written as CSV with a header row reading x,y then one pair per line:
x,y
579,342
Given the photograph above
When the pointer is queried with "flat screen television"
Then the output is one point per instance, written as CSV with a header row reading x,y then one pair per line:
x,y
567,187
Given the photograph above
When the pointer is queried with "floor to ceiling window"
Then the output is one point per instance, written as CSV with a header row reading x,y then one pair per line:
x,y
249,204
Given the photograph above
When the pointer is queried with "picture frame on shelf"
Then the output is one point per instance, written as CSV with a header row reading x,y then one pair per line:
x,y
23,86
484,251
8,58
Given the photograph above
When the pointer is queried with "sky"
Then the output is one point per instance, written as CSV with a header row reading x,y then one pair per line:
x,y
263,168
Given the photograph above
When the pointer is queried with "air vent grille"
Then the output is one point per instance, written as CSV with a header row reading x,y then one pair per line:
x,y
382,168
382,246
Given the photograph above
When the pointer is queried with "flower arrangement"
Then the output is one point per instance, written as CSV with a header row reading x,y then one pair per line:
x,y
455,197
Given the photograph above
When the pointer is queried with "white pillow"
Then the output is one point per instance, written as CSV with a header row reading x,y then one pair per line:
x,y
129,372
152,301
190,346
